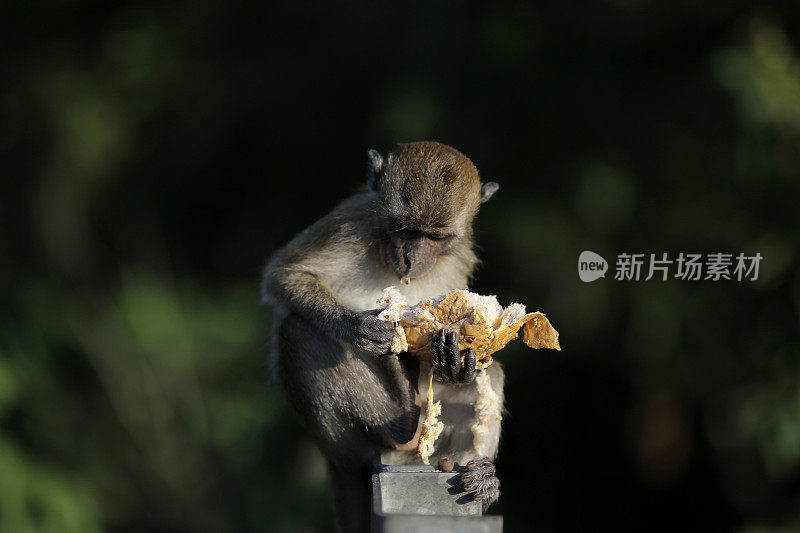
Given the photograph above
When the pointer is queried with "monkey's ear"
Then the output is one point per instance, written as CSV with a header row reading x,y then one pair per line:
x,y
488,189
374,169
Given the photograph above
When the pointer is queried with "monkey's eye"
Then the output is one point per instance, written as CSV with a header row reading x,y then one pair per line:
x,y
394,226
438,236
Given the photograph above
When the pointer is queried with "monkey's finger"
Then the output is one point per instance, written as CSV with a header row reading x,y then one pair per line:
x,y
375,330
380,348
468,370
439,337
493,497
379,325
488,495
437,350
437,347
365,345
380,336
385,326
452,354
481,463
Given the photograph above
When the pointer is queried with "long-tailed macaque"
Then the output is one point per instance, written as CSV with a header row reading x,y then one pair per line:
x,y
411,226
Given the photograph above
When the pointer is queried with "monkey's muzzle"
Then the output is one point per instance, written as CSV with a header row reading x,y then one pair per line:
x,y
409,256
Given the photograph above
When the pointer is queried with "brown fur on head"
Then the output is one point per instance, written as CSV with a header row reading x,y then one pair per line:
x,y
429,194
434,185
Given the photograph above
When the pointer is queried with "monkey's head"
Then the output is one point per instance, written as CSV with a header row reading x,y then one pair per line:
x,y
429,194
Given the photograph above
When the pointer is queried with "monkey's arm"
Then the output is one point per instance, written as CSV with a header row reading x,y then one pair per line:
x,y
292,283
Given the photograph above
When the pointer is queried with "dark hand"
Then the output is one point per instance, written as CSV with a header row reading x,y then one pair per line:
x,y
447,366
371,334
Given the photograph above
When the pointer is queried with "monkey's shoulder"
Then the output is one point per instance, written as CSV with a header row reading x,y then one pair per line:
x,y
344,225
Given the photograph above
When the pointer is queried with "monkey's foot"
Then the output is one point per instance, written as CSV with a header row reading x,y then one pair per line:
x,y
479,479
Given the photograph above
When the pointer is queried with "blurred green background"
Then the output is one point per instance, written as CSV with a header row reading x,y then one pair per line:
x,y
155,154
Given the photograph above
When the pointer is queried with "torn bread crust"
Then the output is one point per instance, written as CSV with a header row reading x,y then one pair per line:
x,y
483,325
487,410
431,427
481,322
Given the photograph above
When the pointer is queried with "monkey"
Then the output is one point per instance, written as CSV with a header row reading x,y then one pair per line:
x,y
410,225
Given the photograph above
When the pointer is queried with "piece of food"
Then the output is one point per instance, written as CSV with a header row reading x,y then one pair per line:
x,y
483,325
487,409
481,322
431,427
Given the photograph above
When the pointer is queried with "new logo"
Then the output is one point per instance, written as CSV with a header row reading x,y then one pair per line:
x,y
591,266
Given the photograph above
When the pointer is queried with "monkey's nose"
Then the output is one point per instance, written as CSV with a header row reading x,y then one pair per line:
x,y
403,269
407,261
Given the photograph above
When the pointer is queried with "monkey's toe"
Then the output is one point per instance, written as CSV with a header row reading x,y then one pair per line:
x,y
489,494
479,479
476,470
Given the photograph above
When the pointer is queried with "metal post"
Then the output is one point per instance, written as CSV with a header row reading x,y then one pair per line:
x,y
419,498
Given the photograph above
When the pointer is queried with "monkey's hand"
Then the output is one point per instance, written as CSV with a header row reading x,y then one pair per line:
x,y
479,479
447,366
370,334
